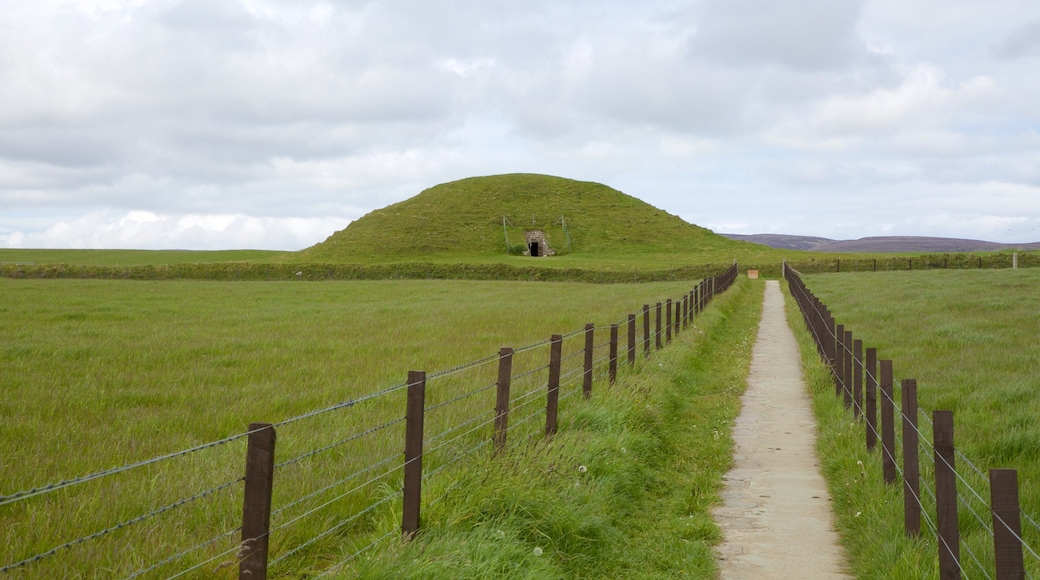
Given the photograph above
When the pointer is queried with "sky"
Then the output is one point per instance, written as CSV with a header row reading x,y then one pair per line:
x,y
269,124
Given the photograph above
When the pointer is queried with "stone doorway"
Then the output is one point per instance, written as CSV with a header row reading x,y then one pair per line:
x,y
537,246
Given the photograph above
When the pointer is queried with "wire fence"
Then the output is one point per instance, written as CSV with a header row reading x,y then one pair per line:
x,y
344,486
977,533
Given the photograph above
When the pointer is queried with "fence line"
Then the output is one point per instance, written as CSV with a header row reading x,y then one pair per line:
x,y
586,360
848,368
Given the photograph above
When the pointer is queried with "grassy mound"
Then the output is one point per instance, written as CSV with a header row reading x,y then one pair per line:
x,y
475,216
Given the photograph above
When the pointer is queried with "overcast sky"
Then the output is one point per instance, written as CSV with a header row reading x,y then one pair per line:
x,y
218,124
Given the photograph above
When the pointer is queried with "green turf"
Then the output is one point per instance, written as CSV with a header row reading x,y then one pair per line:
x,y
968,337
475,216
99,374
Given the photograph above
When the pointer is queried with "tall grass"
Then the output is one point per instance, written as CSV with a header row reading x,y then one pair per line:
x,y
968,337
99,374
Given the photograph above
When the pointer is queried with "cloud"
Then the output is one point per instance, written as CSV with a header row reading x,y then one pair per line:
x,y
147,230
800,34
1023,42
723,111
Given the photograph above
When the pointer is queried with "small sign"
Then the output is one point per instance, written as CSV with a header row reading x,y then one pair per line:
x,y
752,274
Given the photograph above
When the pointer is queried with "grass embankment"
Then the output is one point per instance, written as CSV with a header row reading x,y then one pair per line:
x,y
624,489
968,337
529,271
99,374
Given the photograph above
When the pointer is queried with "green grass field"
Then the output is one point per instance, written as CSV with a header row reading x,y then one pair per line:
x,y
99,374
968,337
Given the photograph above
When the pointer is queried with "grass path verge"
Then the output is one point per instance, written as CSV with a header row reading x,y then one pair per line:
x,y
867,512
625,488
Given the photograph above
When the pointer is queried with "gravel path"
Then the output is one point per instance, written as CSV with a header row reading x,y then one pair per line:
x,y
776,517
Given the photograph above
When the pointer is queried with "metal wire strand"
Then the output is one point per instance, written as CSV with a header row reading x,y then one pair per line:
x,y
530,372
461,397
329,531
462,367
459,426
350,558
204,562
344,404
340,496
313,494
119,526
180,555
456,459
344,441
459,436
22,495
521,349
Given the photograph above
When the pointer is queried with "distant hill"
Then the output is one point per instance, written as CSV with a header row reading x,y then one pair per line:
x,y
878,244
476,216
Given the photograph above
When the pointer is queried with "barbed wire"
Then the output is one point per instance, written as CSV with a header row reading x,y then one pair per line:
x,y
573,333
526,374
522,349
227,552
49,488
119,526
456,459
350,558
572,355
180,555
340,525
462,367
461,397
344,441
444,433
339,497
318,492
459,436
343,405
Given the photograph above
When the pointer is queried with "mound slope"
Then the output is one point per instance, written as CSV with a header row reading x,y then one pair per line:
x,y
475,216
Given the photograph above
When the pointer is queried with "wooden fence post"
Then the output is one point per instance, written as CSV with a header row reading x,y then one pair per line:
x,y
839,359
1007,527
871,372
946,496
586,384
646,330
612,369
256,502
830,338
668,321
846,369
631,340
685,311
888,431
675,321
413,453
857,378
911,463
505,372
553,396
657,327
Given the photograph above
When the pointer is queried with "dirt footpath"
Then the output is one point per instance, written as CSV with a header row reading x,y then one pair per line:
x,y
776,518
